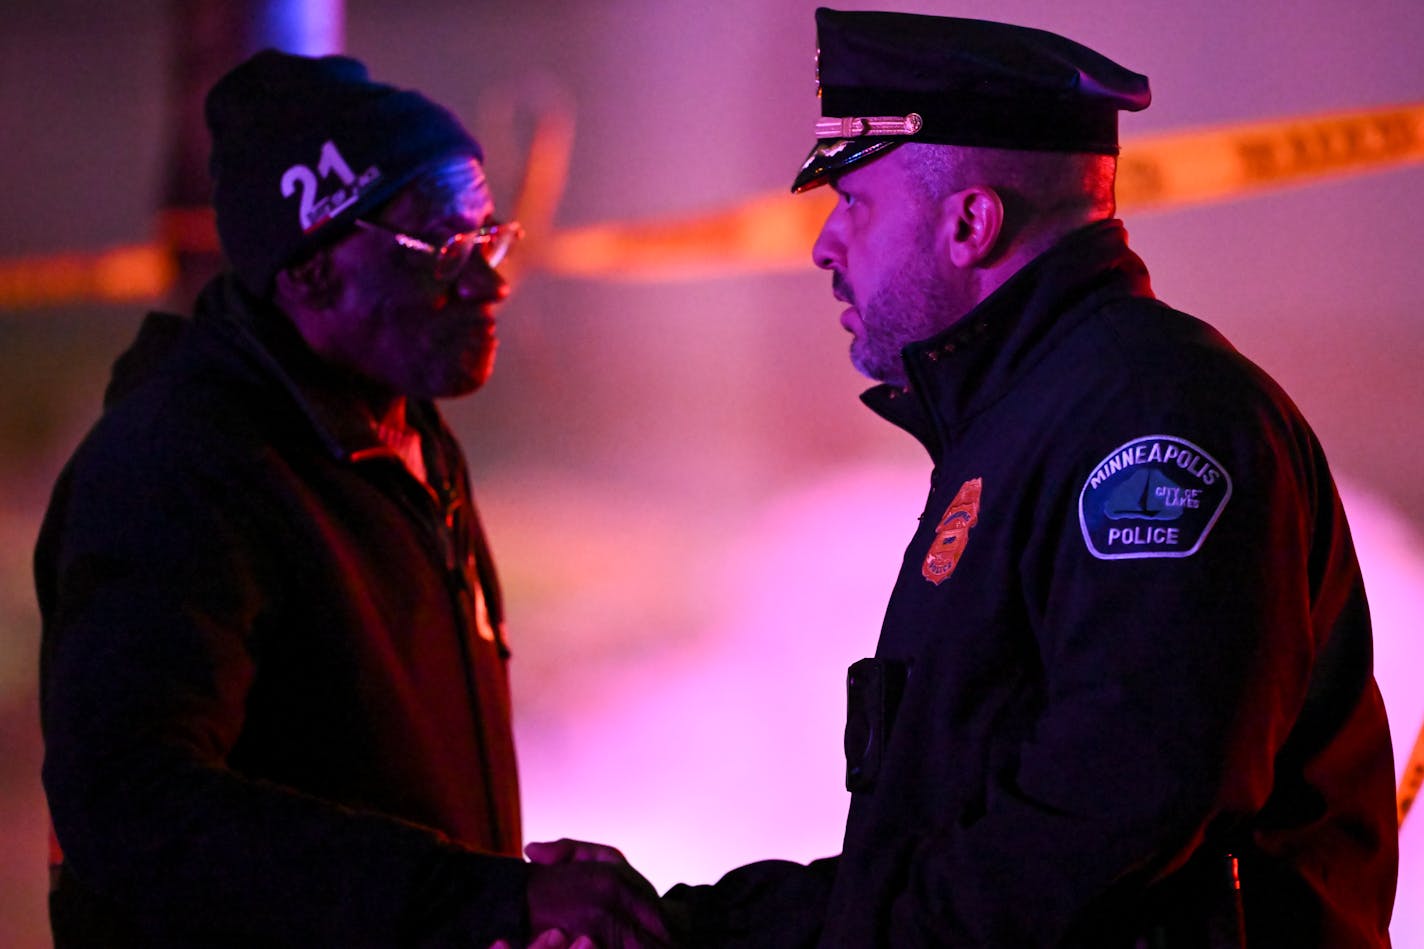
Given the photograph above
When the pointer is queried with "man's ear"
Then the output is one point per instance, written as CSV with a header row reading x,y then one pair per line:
x,y
311,283
972,224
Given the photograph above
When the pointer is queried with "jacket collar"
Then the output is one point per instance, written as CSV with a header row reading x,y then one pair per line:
x,y
964,369
325,395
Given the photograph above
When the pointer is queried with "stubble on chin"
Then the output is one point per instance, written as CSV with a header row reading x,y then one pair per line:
x,y
873,362
912,307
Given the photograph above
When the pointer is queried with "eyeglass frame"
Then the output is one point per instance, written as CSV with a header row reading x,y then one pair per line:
x,y
500,237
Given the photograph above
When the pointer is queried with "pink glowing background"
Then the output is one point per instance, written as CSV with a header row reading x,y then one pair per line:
x,y
696,521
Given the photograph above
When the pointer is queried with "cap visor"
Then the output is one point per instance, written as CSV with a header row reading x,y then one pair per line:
x,y
833,155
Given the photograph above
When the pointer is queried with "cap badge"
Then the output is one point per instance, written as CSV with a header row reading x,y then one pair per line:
x,y
855,126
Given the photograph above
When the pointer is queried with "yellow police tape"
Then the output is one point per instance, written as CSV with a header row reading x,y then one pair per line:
x,y
774,231
118,275
1412,778
1211,164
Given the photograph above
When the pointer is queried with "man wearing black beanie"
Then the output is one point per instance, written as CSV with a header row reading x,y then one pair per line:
x,y
273,675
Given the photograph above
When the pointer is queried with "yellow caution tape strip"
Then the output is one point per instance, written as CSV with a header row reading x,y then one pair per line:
x,y
1211,164
118,275
137,272
774,231
1412,779
765,233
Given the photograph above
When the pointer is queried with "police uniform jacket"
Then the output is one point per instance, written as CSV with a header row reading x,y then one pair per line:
x,y
1126,663
274,693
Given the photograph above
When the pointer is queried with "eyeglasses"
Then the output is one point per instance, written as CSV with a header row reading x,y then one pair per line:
x,y
493,241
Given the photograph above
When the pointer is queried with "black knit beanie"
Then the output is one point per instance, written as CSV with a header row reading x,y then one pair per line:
x,y
303,146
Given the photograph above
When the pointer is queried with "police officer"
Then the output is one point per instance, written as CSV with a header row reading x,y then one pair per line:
x,y
1122,695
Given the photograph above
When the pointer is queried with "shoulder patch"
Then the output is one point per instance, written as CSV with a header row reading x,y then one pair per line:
x,y
1156,496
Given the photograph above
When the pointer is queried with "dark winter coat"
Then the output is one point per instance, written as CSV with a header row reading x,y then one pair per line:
x,y
274,692
1126,663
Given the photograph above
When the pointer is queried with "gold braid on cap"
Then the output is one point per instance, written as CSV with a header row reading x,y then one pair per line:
x,y
854,126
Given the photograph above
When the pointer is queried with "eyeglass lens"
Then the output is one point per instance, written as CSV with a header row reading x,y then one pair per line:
x,y
455,254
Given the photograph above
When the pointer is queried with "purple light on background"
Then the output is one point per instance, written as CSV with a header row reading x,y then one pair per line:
x,y
310,27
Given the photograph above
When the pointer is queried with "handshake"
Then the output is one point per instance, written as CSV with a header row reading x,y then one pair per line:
x,y
587,896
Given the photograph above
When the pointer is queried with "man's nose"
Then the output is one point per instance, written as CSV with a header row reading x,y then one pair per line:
x,y
479,281
828,250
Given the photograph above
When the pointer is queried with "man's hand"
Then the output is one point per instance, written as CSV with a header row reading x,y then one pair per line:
x,y
575,851
590,890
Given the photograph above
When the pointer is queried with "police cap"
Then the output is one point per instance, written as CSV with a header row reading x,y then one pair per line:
x,y
889,78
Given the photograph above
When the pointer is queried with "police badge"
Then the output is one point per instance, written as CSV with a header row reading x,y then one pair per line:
x,y
952,534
